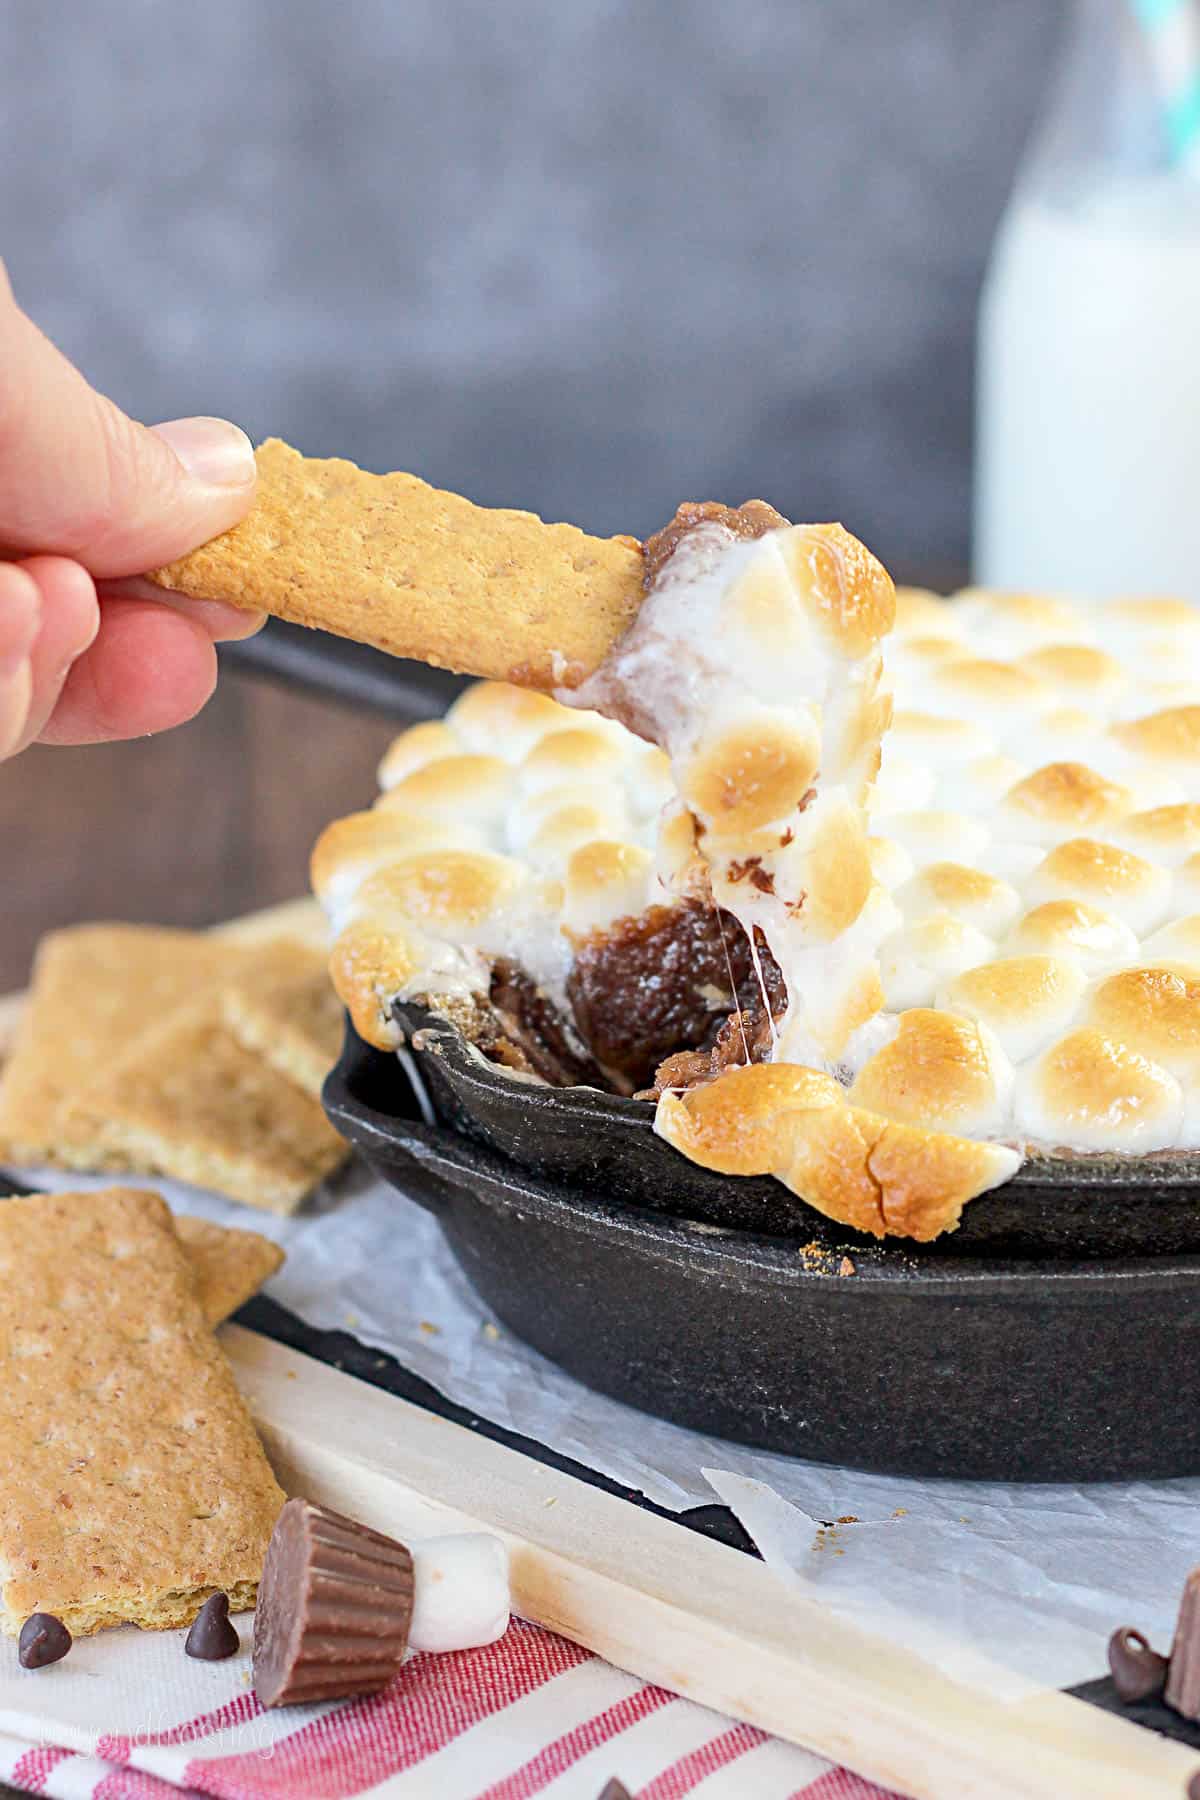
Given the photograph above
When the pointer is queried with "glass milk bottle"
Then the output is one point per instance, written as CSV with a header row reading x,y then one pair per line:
x,y
1087,474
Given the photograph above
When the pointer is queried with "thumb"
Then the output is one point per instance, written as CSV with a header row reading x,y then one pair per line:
x,y
80,479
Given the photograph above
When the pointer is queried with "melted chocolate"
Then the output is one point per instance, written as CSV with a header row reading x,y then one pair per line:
x,y
753,519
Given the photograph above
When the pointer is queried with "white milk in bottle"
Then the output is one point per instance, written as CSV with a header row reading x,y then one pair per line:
x,y
1087,446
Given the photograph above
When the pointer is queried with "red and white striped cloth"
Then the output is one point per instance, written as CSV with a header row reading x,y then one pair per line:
x,y
530,1716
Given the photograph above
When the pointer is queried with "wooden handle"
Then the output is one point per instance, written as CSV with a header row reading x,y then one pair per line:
x,y
681,1610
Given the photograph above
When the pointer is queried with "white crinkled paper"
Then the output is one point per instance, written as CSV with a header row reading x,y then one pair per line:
x,y
1029,1579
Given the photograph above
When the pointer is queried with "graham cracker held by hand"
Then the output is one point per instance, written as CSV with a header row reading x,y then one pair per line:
x,y
283,1007
390,561
186,1100
132,1484
94,990
228,1266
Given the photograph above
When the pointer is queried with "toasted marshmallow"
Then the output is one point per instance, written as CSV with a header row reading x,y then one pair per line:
x,y
1089,1091
1113,880
349,851
891,865
975,786
1096,940
965,893
419,745
1025,1001
1155,1011
941,1071
444,893
492,718
1062,800
464,788
561,757
1167,835
916,961
1001,696
1166,743
605,882
1088,677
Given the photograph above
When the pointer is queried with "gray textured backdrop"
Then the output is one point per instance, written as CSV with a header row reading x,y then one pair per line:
x,y
587,256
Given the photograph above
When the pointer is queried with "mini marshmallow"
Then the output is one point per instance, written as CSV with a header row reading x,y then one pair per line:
x,y
461,1593
1114,880
915,962
940,1071
1025,1001
936,836
1088,1091
967,894
1059,801
1096,940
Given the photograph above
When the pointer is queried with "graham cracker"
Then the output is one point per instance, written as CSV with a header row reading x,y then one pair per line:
x,y
186,1100
390,561
132,1484
94,990
284,1008
228,1266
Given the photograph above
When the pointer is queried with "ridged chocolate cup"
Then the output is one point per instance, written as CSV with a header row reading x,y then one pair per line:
x,y
334,1608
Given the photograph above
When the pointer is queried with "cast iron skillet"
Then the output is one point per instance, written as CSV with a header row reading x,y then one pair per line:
x,y
921,1363
1083,1206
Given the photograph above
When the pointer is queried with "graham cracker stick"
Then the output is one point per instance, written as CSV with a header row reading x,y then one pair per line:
x,y
132,1484
390,561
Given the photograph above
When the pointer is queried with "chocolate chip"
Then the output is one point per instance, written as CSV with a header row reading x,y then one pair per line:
x,y
1138,1672
44,1639
212,1638
616,1790
1193,1787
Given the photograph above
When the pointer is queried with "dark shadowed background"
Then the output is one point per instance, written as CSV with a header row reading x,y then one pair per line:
x,y
585,256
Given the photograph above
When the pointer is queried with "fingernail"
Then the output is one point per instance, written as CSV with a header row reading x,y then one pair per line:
x,y
20,621
211,450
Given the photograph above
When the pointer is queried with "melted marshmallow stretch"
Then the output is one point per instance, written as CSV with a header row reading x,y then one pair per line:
x,y
757,666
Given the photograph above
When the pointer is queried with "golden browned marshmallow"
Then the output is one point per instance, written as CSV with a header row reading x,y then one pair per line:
x,y
966,893
865,1171
1170,737
371,961
1025,1001
1156,1011
847,595
493,717
1106,877
350,850
579,756
1061,800
1073,929
1089,1091
605,882
419,745
1168,835
749,775
473,789
835,877
986,687
447,893
566,827
939,1071
1091,678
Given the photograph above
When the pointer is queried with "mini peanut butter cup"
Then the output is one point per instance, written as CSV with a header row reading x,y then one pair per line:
x,y
334,1607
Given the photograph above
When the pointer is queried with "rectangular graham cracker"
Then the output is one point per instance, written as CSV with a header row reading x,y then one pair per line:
x,y
284,1008
186,1100
228,1266
95,989
390,561
132,1484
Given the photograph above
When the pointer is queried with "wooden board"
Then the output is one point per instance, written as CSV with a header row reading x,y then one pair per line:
x,y
682,1610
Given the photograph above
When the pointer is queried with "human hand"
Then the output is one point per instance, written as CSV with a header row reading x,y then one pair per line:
x,y
88,501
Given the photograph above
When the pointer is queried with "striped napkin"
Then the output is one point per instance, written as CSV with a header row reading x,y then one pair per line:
x,y
126,1716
